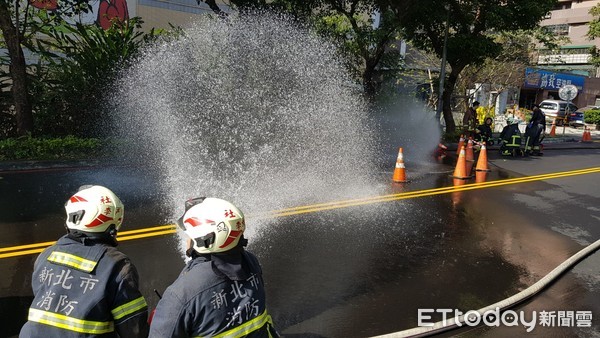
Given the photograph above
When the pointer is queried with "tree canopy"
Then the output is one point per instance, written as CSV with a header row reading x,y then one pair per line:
x,y
472,25
19,26
365,31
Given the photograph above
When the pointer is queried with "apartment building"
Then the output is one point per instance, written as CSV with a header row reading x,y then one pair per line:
x,y
570,19
161,13
571,64
155,13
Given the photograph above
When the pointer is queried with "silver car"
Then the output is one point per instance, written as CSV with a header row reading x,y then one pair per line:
x,y
557,109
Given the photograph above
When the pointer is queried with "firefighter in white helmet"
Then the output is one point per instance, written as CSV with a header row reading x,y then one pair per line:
x,y
83,286
220,292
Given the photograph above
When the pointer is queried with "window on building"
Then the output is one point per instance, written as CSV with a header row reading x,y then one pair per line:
x,y
562,29
562,5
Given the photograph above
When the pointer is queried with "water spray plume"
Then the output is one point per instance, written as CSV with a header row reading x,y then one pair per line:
x,y
252,109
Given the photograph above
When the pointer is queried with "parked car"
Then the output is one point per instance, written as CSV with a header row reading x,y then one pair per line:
x,y
575,119
557,110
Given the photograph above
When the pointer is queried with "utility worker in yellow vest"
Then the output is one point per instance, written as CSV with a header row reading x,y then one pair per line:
x,y
83,286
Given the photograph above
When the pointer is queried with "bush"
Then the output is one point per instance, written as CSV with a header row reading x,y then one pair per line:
x,y
31,148
452,136
592,116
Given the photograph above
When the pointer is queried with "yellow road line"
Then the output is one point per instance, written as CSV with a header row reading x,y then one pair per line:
x,y
156,228
150,234
121,234
22,253
171,228
419,193
27,246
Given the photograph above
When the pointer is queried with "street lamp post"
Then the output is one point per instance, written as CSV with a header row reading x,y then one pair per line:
x,y
440,105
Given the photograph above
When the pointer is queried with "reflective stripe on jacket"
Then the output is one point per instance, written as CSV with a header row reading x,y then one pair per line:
x,y
85,290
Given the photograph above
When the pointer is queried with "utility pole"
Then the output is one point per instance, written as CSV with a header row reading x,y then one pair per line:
x,y
440,104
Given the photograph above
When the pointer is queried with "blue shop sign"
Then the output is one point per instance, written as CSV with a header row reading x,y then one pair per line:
x,y
537,78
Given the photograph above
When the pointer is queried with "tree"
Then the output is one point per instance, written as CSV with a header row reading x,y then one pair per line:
x,y
367,45
470,24
18,27
506,69
594,32
17,69
83,63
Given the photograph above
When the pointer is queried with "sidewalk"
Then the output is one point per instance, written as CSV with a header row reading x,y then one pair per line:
x,y
566,138
570,139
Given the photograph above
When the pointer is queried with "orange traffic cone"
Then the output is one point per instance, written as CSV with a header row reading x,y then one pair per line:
x,y
482,164
458,182
480,176
587,135
553,130
399,172
461,166
461,143
469,153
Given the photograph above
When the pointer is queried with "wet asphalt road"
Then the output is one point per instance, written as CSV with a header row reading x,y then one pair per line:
x,y
364,270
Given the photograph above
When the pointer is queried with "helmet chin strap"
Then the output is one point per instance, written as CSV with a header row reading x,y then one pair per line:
x,y
192,253
108,237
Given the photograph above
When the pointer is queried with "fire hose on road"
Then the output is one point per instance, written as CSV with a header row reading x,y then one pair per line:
x,y
456,322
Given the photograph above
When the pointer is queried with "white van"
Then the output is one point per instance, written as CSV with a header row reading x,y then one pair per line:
x,y
556,108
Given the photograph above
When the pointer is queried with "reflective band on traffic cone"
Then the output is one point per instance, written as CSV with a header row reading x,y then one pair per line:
x,y
461,166
553,130
461,144
399,171
482,164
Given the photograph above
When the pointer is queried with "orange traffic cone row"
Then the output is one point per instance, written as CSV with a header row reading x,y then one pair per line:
x,y
461,143
469,153
482,162
461,166
399,171
553,130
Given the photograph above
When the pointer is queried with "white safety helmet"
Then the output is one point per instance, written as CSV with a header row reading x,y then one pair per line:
x,y
213,224
94,209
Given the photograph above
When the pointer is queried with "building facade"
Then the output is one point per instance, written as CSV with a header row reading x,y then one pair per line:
x,y
571,64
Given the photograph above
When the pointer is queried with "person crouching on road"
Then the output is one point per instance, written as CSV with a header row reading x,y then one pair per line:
x,y
83,286
484,131
220,291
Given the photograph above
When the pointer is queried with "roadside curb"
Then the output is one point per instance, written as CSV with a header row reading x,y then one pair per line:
x,y
567,144
8,167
